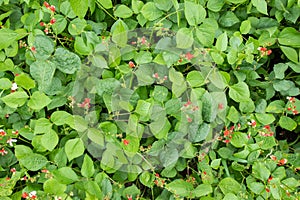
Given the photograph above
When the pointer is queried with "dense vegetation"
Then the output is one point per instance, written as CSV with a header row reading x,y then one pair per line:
x,y
151,99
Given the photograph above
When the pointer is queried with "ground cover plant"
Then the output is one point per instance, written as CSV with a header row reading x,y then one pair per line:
x,y
152,99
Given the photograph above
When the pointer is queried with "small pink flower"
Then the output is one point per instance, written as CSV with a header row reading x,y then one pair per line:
x,y
143,40
189,56
189,119
10,141
220,106
155,75
131,64
3,152
25,195
282,161
46,30
13,170
252,123
187,103
226,141
2,132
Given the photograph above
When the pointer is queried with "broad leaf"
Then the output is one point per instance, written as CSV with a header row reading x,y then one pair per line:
x,y
74,148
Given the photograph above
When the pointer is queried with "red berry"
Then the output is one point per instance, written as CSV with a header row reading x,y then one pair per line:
x,y
125,142
46,4
52,8
52,21
131,64
42,24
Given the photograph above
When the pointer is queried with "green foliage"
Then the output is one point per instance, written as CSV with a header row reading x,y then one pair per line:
x,y
103,99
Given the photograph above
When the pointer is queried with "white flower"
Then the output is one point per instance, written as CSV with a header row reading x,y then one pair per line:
x,y
10,141
32,194
14,87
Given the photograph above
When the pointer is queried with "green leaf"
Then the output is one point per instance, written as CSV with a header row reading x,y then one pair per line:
x,y
42,125
87,169
65,175
291,182
236,1
77,26
261,6
29,160
147,178
260,171
163,5
123,11
119,33
96,136
5,83
195,79
205,33
15,99
66,61
202,190
225,152
290,53
143,57
34,161
59,117
151,12
77,122
82,47
74,148
230,196
160,128
245,27
180,188
7,37
239,92
194,13
38,100
184,38
229,185
289,37
279,70
209,112
276,106
247,106
217,57
160,93
228,19
265,119
42,72
287,123
49,140
239,139
79,7
143,108
53,186
106,3
233,115
60,24
24,81
222,42
215,5
256,187
44,47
